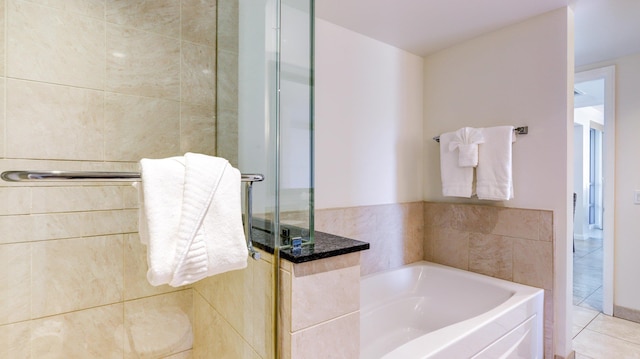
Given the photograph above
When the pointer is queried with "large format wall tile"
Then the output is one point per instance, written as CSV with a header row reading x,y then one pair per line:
x,y
198,73
74,274
44,44
139,127
54,122
92,8
15,279
341,333
142,64
197,24
135,270
198,129
14,340
2,103
15,201
157,16
76,199
93,333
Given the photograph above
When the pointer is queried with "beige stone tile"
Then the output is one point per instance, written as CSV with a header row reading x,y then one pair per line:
x,y
65,122
139,127
323,296
92,333
197,129
198,72
74,274
198,24
130,197
15,276
575,330
379,255
75,199
548,323
491,255
451,247
427,245
462,217
44,44
227,124
92,8
533,263
15,201
518,223
326,265
597,345
227,80
15,340
359,222
261,331
159,326
2,41
228,31
583,316
2,90
158,16
546,226
135,270
330,221
214,335
342,333
184,355
66,225
616,327
142,64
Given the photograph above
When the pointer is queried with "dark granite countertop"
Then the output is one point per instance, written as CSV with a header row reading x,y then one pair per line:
x,y
326,245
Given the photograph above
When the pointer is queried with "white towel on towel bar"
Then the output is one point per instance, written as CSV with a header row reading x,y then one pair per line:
x,y
494,171
190,218
456,181
466,141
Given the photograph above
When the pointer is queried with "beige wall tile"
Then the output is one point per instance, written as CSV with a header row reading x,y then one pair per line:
x,y
323,296
92,8
130,197
141,63
491,255
227,80
75,199
533,263
15,201
227,145
2,92
44,44
159,326
228,15
66,225
15,277
184,355
15,340
135,270
197,21
74,274
470,218
64,122
261,331
339,338
546,226
2,38
198,129
519,223
198,73
451,247
158,16
139,127
92,333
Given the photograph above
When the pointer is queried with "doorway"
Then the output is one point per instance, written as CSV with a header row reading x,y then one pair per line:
x,y
593,190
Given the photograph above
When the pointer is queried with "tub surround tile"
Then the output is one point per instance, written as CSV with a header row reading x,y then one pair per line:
x,y
142,64
491,255
161,17
2,90
49,45
227,26
91,333
92,8
533,263
15,201
65,122
15,279
227,123
75,274
135,271
196,21
451,247
546,226
76,199
197,129
2,43
14,340
139,127
343,333
198,74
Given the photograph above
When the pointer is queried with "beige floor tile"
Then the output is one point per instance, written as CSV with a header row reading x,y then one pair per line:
x,y
597,345
583,316
616,327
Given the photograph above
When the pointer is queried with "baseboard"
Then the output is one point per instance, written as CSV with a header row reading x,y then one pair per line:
x,y
626,313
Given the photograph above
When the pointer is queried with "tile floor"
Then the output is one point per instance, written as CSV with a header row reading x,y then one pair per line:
x,y
596,335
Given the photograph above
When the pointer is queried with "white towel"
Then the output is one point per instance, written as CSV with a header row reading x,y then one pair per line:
x,y
494,181
456,181
466,141
190,218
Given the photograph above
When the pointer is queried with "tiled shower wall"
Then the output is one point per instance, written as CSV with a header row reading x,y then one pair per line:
x,y
95,85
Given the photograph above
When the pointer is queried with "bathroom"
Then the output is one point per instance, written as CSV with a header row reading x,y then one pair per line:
x,y
73,283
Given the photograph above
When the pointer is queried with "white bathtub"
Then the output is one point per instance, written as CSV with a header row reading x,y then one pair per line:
x,y
426,310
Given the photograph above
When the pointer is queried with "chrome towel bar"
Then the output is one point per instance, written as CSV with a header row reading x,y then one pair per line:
x,y
523,130
51,176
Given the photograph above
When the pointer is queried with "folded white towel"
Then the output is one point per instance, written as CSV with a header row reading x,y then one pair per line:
x,y
191,218
494,181
456,181
466,141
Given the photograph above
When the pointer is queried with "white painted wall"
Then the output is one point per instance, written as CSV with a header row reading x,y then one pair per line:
x,y
368,125
627,173
519,75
